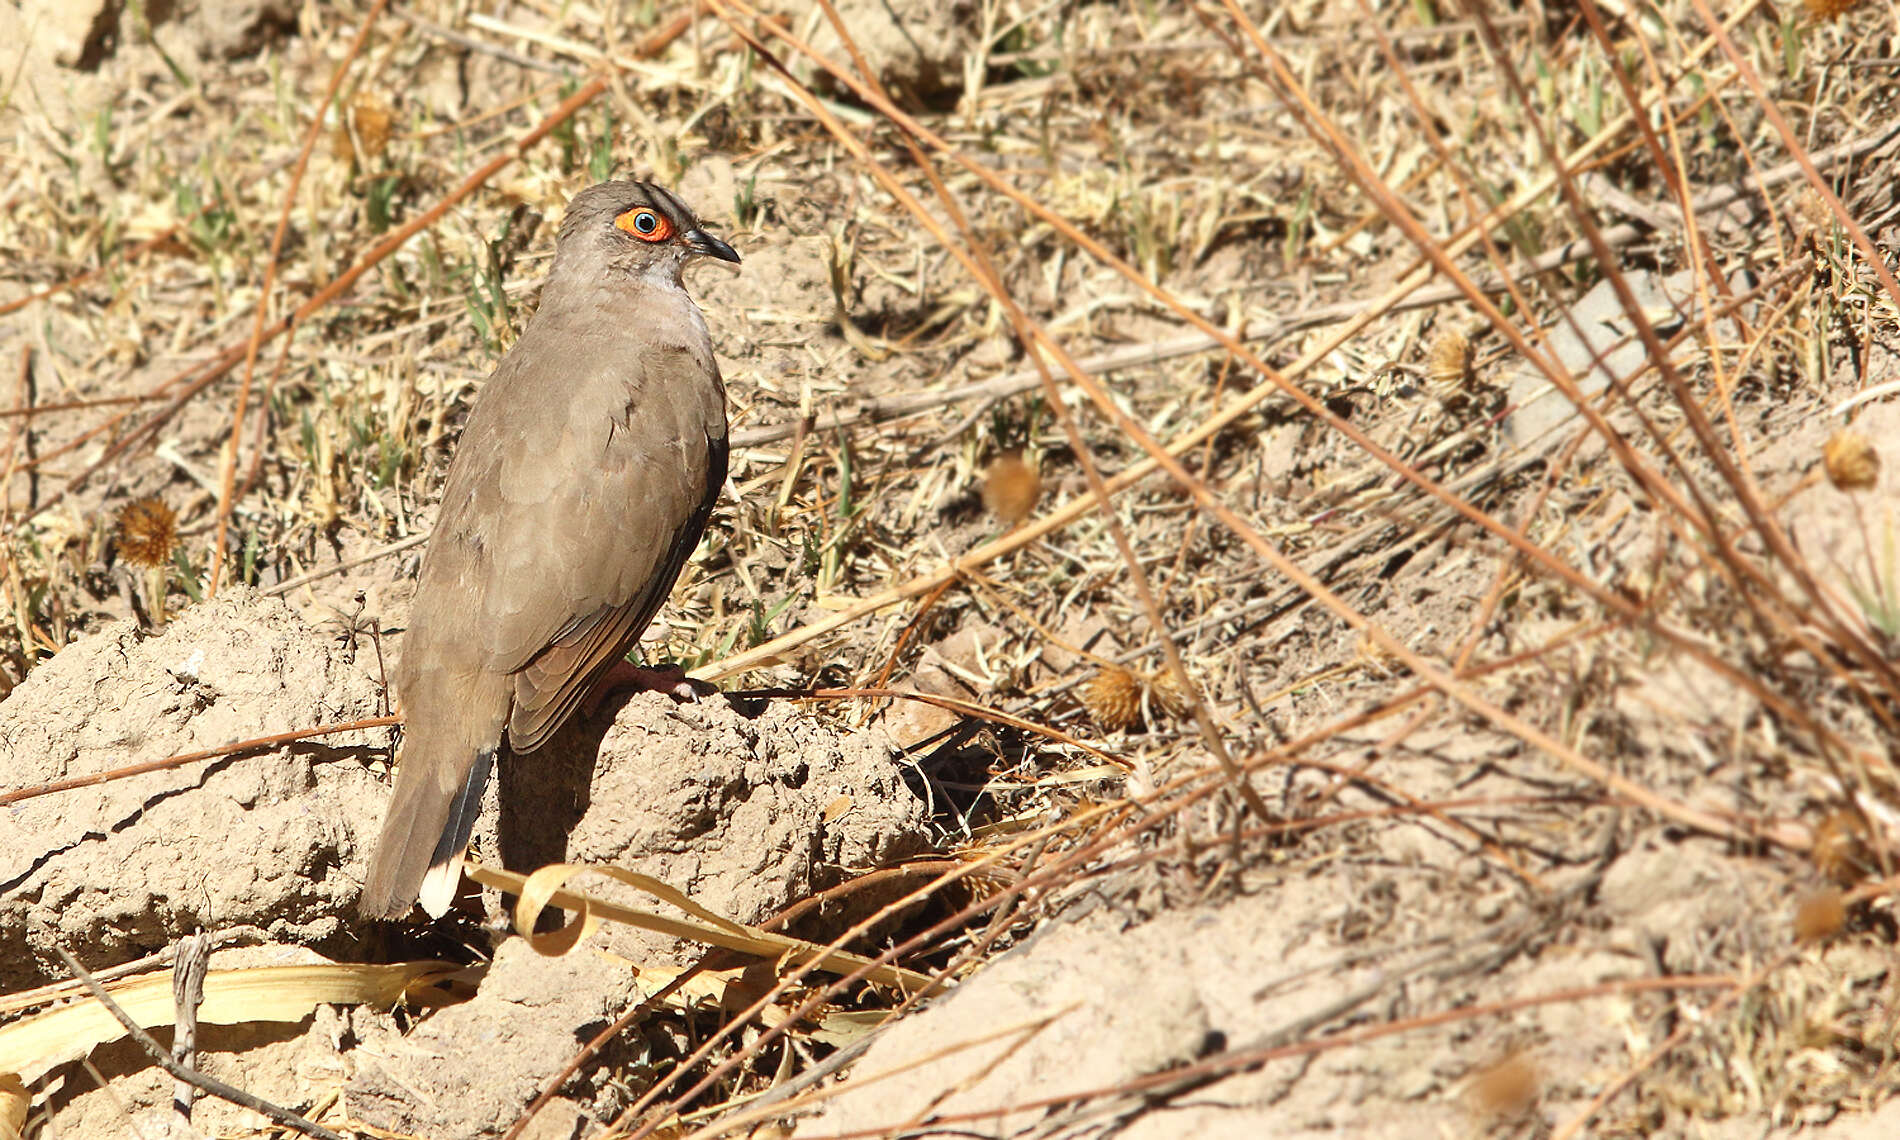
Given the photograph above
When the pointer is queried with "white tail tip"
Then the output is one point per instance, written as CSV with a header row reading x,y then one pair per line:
x,y
438,886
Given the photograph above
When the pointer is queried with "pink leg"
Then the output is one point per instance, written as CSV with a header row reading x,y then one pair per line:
x,y
624,678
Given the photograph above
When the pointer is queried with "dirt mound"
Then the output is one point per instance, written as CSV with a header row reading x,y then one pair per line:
x,y
269,841
746,807
470,1069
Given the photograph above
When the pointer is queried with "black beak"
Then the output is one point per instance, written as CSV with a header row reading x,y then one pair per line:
x,y
706,245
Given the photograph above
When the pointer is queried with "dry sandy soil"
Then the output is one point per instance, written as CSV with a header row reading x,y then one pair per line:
x,y
1531,774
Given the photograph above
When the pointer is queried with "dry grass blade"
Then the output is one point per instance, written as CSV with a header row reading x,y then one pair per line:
x,y
344,281
543,889
1463,438
1167,460
233,749
1312,586
33,1045
976,259
227,468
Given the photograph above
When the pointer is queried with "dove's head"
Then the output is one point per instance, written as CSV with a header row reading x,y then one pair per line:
x,y
635,228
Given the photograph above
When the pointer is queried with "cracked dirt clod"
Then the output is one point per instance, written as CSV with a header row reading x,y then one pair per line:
x,y
744,813
266,841
744,807
478,1064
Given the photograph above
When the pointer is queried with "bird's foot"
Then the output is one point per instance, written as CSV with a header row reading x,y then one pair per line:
x,y
625,679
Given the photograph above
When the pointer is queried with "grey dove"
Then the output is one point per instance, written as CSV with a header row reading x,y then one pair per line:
x,y
584,478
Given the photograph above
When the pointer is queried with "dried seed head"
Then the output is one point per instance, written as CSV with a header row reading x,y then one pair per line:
x,y
981,885
1840,848
1829,9
1168,695
1852,463
368,120
1507,1089
373,119
1375,655
1113,698
1811,209
1011,488
1820,916
1448,364
147,532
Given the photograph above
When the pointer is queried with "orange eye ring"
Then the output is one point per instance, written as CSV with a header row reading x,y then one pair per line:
x,y
646,224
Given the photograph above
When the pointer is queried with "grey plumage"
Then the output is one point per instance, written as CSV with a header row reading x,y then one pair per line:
x,y
584,478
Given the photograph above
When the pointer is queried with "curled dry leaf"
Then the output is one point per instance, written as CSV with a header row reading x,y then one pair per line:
x,y
548,887
14,1103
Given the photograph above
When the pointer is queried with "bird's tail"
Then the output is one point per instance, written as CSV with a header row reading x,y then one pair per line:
x,y
431,815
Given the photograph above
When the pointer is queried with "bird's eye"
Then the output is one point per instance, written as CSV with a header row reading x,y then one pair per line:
x,y
645,224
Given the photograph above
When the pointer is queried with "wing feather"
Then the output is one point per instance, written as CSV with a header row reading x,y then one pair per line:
x,y
594,471
550,687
